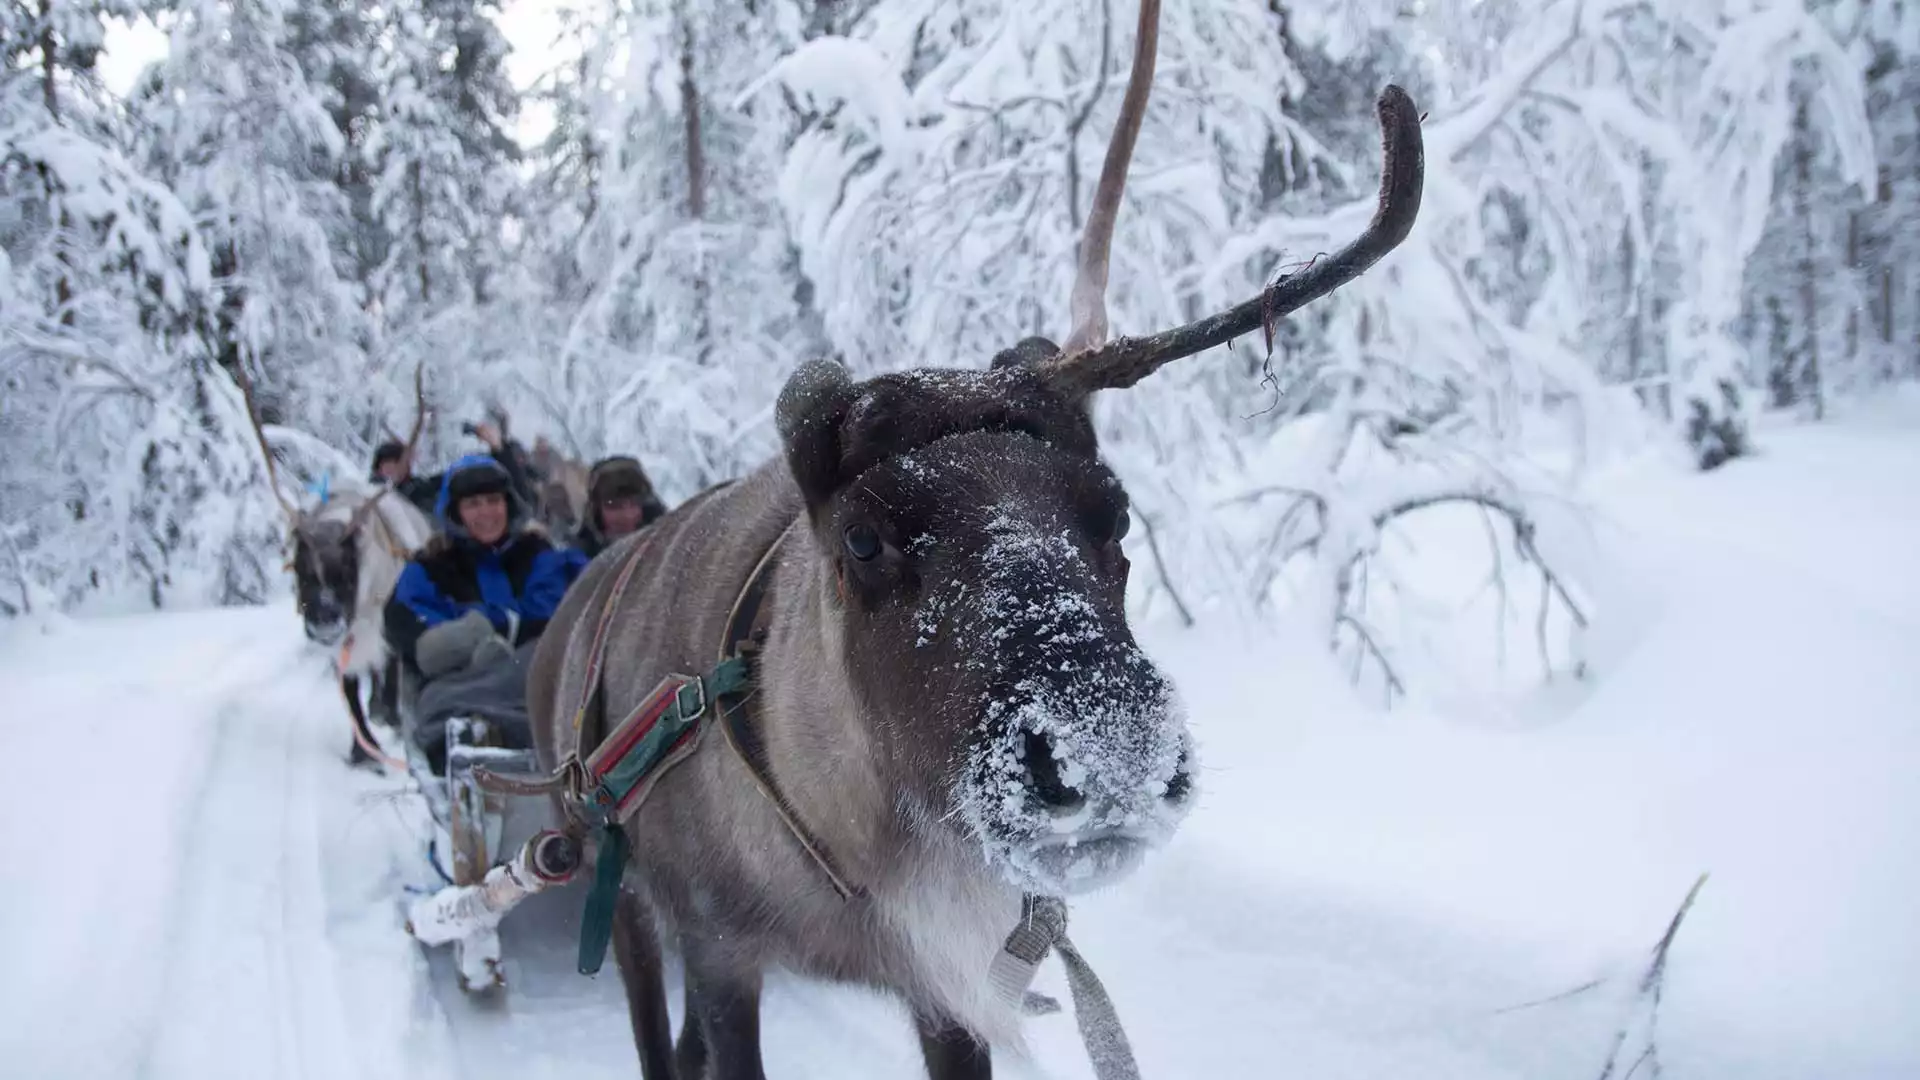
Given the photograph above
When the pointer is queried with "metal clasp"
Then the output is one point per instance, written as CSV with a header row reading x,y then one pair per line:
x,y
700,693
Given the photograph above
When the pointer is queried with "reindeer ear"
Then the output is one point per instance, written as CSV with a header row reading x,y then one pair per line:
x,y
812,407
1025,353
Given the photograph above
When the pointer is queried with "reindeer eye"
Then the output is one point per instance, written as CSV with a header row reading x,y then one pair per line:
x,y
863,542
1121,523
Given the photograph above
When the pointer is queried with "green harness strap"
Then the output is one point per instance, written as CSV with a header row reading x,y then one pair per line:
x,y
596,923
692,703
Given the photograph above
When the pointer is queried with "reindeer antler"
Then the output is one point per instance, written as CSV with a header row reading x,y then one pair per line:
x,y
1088,362
419,419
1089,301
365,510
253,415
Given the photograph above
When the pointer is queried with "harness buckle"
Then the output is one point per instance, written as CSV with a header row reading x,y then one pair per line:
x,y
699,687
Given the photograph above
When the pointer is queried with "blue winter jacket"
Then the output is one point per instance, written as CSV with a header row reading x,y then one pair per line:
x,y
523,576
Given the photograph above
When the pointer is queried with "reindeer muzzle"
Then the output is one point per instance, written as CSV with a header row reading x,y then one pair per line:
x,y
1081,772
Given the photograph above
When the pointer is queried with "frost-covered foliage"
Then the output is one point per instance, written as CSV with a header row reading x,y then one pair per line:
x,y
235,128
441,151
1828,290
1589,164
125,477
1678,203
673,305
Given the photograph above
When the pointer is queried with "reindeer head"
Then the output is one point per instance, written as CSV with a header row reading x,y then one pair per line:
x,y
323,549
974,539
325,559
971,540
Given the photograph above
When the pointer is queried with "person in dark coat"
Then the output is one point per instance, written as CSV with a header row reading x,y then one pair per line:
x,y
470,604
620,500
486,571
390,465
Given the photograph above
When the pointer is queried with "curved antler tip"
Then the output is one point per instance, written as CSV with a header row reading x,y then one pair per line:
x,y
1405,166
1395,105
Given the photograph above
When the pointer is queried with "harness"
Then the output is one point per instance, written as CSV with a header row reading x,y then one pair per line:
x,y
667,726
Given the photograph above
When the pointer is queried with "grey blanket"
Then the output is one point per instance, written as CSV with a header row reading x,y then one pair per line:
x,y
494,691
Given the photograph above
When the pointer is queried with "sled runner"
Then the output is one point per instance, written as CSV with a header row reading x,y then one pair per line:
x,y
488,851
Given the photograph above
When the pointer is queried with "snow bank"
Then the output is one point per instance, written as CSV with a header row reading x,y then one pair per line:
x,y
1367,891
196,884
1355,894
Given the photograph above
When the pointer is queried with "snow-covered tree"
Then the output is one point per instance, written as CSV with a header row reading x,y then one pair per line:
x,y
1586,161
442,156
128,478
1616,191
239,133
1886,231
338,45
656,214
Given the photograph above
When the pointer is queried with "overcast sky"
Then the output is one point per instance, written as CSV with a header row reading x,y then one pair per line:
x,y
529,26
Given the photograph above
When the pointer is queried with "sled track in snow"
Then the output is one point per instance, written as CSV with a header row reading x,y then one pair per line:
x,y
548,1021
553,1023
249,946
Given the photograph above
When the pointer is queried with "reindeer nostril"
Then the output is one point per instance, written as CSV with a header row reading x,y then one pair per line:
x,y
1045,770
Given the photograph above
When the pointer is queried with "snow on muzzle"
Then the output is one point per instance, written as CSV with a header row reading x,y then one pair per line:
x,y
1082,760
1079,776
325,620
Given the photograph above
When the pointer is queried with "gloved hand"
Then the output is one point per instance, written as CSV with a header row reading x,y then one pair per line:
x,y
453,646
492,649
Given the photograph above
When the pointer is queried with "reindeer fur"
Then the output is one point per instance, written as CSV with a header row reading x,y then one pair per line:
x,y
385,540
710,855
948,693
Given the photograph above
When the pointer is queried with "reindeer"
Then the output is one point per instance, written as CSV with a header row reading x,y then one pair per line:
x,y
948,713
560,486
346,554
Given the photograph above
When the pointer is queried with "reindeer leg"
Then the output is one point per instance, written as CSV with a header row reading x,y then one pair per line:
x,y
690,1053
386,694
951,1051
636,952
723,1017
350,689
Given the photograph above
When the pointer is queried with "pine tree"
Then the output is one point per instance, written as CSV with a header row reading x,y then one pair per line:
x,y
1888,229
249,145
337,45
131,480
443,157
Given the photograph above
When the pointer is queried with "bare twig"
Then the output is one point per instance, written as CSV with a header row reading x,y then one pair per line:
x,y
1525,543
266,452
1647,994
1166,579
1651,988
1366,639
1564,995
1656,972
1523,534
1269,490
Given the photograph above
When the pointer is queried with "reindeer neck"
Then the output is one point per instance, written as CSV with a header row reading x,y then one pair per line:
x,y
819,747
941,913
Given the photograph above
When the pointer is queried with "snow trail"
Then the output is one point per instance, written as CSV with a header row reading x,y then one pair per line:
x,y
211,909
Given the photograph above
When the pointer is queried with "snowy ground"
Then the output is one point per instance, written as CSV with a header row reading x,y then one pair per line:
x,y
197,887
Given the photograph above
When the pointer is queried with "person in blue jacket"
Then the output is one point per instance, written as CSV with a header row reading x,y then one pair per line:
x,y
486,581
